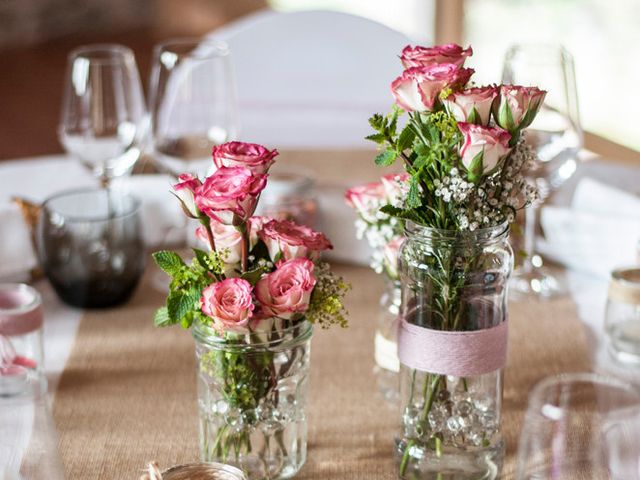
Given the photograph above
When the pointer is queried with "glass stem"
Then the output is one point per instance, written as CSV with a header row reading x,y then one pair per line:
x,y
530,222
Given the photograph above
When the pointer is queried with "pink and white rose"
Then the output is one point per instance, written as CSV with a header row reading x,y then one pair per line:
x,y
366,200
255,157
185,191
472,105
396,187
390,253
418,88
287,290
424,56
517,106
229,304
287,240
483,149
228,241
230,192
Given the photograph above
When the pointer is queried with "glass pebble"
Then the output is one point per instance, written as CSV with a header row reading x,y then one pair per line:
x,y
453,424
463,408
437,419
443,395
484,403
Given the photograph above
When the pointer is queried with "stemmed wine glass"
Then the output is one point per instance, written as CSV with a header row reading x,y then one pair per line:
x,y
556,135
581,425
192,102
103,111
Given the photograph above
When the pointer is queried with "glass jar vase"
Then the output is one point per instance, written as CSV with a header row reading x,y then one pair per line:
x,y
252,393
385,343
452,345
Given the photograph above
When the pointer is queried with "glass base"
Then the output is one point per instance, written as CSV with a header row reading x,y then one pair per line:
x,y
474,463
538,283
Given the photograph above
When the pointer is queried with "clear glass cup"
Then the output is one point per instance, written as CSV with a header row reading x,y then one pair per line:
x,y
103,120
387,365
203,471
28,439
21,320
192,100
622,316
90,246
581,425
556,135
252,395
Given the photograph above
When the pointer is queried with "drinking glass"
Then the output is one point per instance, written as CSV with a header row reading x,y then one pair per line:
x,y
193,103
28,440
90,246
556,135
103,110
581,425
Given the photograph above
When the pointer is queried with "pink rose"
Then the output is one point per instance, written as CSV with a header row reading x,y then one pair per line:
x,y
396,187
472,105
289,240
185,190
239,154
366,200
423,57
390,255
229,304
286,290
483,149
418,88
517,106
228,238
229,192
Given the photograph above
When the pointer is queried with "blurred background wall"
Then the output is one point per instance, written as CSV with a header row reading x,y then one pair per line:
x,y
603,35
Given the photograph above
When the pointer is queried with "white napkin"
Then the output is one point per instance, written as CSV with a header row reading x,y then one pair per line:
x,y
597,233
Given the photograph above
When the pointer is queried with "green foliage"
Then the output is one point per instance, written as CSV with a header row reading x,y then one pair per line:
x,y
386,158
326,306
187,282
169,262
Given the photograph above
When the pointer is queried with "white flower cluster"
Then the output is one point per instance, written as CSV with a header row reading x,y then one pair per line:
x,y
378,235
497,198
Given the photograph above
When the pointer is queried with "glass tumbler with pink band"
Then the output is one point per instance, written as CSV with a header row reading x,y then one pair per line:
x,y
452,344
20,331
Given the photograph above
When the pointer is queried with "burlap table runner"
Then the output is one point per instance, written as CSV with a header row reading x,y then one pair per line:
x,y
128,394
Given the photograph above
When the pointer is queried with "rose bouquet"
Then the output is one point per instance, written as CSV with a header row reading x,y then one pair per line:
x,y
251,296
464,154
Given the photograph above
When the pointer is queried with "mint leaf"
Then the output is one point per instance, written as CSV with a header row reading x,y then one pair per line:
x,y
386,158
252,276
179,303
405,140
202,257
376,137
161,318
413,197
169,262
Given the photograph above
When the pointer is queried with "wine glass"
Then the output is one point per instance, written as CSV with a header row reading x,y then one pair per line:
x,y
556,135
581,425
192,102
103,110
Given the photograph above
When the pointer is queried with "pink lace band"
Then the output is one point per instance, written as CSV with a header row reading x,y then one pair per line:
x,y
461,354
20,309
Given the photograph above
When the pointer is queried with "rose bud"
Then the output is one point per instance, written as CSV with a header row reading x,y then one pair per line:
x,y
517,106
423,56
390,254
483,149
367,200
287,240
287,290
418,88
230,194
472,105
185,190
229,304
239,154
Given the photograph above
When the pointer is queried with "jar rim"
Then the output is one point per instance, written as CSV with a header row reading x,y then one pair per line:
x,y
624,285
287,337
415,230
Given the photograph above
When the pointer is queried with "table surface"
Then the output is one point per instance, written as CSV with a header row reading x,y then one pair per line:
x,y
128,392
